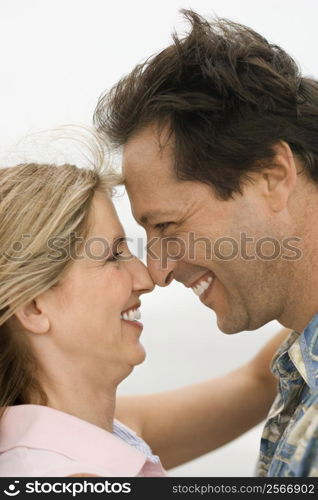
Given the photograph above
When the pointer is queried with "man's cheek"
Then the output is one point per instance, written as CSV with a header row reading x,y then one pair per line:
x,y
172,249
199,248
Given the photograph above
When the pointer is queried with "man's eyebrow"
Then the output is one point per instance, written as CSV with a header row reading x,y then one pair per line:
x,y
148,217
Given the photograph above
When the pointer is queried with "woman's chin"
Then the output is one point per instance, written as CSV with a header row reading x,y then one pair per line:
x,y
135,360
140,355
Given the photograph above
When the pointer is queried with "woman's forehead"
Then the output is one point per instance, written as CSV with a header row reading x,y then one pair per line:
x,y
104,220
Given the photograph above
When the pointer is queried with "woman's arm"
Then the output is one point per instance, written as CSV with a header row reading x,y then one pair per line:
x,y
185,423
83,475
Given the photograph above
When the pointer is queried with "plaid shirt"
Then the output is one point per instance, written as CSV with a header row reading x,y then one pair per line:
x,y
289,444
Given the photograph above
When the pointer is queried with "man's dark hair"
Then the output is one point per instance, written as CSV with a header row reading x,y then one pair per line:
x,y
228,96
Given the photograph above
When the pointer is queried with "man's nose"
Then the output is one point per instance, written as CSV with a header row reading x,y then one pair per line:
x,y
161,274
142,278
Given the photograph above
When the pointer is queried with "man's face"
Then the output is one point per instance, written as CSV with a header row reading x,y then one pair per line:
x,y
198,239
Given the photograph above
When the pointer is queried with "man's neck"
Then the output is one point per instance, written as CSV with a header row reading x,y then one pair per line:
x,y
302,299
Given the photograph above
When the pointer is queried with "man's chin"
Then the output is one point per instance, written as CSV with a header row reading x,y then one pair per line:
x,y
225,325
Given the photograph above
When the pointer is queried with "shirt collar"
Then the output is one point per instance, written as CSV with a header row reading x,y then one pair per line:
x,y
302,350
41,427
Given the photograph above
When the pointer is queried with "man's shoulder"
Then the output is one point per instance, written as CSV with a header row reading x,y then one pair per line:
x,y
304,436
289,444
303,439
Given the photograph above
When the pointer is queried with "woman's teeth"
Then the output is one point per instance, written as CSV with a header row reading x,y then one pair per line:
x,y
132,315
202,286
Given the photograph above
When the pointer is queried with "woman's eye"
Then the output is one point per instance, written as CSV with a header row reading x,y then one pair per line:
x,y
115,256
120,251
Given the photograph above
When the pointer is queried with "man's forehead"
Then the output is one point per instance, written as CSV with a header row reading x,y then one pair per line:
x,y
147,149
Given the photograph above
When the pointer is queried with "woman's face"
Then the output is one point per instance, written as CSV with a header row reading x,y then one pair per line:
x,y
85,308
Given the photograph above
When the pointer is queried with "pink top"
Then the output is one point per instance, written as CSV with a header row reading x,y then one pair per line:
x,y
40,441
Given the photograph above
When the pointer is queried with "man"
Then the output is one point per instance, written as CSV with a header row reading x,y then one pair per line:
x,y
220,157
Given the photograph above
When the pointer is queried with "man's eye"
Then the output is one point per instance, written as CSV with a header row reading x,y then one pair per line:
x,y
162,225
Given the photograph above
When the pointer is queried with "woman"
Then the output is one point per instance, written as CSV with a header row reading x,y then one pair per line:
x,y
70,293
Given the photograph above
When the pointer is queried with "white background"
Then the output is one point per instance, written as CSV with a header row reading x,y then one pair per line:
x,y
57,56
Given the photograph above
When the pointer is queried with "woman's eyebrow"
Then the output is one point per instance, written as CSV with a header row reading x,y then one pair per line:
x,y
112,243
119,239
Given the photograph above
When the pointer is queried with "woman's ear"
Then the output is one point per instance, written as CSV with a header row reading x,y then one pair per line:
x,y
33,318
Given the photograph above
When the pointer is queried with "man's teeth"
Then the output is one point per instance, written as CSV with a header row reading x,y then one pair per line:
x,y
132,315
202,286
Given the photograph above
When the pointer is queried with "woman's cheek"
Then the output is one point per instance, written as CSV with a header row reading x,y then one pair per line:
x,y
119,282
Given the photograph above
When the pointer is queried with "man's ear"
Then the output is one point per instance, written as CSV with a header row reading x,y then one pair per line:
x,y
280,179
33,318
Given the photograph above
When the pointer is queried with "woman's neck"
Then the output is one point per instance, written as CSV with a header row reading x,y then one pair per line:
x,y
81,397
97,409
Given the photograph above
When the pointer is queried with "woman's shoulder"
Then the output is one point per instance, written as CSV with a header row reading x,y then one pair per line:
x,y
37,440
34,462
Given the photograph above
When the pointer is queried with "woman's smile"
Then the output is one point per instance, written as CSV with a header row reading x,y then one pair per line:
x,y
131,316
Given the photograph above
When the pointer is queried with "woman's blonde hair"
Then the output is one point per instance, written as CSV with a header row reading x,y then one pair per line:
x,y
37,202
